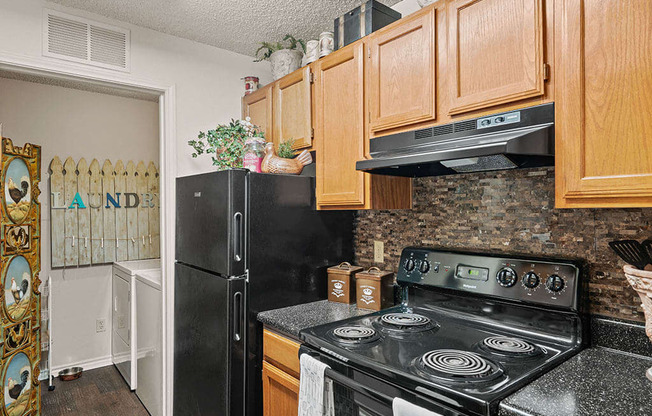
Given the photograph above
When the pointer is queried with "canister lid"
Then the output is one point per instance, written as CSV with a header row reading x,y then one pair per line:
x,y
374,273
344,268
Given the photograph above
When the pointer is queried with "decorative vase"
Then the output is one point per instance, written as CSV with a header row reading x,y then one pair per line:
x,y
312,51
641,281
424,3
285,61
275,164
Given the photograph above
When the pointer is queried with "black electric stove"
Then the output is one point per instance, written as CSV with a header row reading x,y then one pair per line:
x,y
471,330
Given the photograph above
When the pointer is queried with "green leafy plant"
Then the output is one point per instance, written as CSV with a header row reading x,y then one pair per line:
x,y
285,149
266,49
226,141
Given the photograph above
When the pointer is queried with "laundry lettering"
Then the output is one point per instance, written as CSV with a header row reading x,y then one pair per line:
x,y
97,200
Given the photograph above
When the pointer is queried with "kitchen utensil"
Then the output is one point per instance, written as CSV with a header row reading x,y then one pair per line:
x,y
647,246
632,252
72,373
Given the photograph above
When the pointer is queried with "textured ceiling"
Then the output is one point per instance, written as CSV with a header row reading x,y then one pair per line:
x,y
235,25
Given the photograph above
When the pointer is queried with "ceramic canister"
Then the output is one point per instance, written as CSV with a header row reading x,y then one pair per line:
x,y
326,43
312,51
251,84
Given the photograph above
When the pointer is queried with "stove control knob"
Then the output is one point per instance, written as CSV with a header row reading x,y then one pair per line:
x,y
425,267
409,265
506,277
555,283
531,280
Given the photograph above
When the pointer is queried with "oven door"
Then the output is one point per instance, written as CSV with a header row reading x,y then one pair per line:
x,y
359,394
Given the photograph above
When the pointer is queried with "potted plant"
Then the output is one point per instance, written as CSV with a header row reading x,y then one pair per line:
x,y
226,142
284,56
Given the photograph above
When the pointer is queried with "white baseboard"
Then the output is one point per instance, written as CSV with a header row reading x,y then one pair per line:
x,y
86,365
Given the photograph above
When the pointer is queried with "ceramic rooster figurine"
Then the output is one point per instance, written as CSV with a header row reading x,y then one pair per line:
x,y
275,164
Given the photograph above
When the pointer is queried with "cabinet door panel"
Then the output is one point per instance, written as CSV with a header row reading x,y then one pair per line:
x,y
340,127
496,52
292,101
258,106
402,73
280,392
604,126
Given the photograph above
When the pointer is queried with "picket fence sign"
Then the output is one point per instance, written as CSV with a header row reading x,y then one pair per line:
x,y
103,214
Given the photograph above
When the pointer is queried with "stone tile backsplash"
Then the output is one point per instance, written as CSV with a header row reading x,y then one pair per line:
x,y
510,212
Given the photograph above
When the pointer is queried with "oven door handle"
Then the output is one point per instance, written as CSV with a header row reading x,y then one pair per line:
x,y
355,386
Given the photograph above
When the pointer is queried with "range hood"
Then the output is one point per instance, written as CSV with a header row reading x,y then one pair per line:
x,y
516,139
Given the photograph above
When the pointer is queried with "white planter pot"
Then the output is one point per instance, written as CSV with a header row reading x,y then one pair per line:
x,y
641,281
285,61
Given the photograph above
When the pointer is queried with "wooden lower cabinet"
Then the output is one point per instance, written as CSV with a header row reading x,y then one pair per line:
x,y
281,371
280,392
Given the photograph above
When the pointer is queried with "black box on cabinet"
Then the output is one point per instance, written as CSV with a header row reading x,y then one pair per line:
x,y
361,21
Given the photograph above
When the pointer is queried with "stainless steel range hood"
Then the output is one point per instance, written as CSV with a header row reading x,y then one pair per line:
x,y
517,139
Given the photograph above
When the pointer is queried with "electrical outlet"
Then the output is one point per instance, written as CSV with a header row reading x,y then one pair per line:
x,y
100,325
379,252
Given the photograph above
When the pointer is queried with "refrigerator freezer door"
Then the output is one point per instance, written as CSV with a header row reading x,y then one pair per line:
x,y
209,342
210,227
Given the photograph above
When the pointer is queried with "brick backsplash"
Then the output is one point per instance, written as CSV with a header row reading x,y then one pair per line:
x,y
510,212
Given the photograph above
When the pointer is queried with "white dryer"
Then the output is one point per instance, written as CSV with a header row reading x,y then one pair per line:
x,y
123,319
149,340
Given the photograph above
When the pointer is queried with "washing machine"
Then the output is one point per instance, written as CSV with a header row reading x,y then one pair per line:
x,y
123,319
149,340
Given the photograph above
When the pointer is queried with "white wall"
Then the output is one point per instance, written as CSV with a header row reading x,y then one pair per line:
x,y
208,90
75,123
207,79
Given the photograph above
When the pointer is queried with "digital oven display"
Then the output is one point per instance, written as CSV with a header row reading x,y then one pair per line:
x,y
472,273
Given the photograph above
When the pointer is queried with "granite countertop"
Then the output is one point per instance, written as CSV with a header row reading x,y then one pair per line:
x,y
293,319
596,382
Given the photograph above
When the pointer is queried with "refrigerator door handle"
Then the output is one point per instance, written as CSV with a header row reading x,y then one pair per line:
x,y
237,315
237,236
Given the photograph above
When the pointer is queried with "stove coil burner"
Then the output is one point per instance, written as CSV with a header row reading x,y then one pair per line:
x,y
456,365
510,346
355,334
405,320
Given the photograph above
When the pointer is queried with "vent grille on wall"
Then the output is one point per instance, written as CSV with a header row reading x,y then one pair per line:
x,y
81,40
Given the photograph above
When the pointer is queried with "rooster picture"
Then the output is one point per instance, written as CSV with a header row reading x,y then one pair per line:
x,y
19,292
17,338
17,194
14,388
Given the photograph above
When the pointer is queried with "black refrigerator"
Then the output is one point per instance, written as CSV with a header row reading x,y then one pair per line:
x,y
245,243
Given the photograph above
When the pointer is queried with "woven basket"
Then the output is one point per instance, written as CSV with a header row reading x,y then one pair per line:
x,y
641,281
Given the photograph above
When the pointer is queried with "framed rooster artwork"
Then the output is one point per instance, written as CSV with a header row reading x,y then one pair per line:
x,y
20,316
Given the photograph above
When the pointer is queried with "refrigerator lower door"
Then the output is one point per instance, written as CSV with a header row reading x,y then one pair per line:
x,y
209,342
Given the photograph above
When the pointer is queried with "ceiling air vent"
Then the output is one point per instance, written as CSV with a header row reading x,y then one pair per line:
x,y
85,41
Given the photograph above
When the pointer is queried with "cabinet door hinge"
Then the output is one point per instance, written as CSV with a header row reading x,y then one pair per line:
x,y
546,72
312,132
312,78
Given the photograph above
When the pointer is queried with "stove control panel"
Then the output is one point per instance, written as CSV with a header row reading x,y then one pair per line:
x,y
547,282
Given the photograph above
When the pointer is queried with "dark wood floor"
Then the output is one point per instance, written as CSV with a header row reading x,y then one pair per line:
x,y
101,392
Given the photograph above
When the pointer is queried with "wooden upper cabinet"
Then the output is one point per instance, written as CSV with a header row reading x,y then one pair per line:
x,y
402,72
258,106
603,122
340,127
496,52
292,109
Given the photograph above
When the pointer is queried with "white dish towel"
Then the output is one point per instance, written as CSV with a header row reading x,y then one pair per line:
x,y
402,408
315,395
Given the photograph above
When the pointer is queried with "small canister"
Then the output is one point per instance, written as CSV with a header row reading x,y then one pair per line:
x,y
251,84
341,283
326,43
374,289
